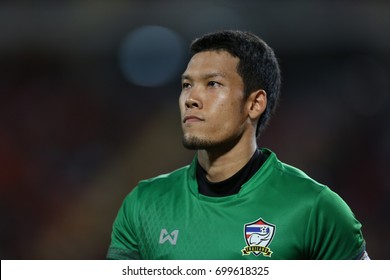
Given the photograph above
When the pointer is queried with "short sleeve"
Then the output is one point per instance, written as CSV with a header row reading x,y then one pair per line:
x,y
124,245
333,232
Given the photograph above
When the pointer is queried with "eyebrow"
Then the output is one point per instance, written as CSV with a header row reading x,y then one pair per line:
x,y
205,76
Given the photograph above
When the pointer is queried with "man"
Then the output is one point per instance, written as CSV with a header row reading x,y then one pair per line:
x,y
234,201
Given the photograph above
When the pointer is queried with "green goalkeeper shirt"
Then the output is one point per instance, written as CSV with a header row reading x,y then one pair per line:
x,y
279,213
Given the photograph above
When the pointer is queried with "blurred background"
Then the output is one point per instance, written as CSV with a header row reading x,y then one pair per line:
x,y
88,107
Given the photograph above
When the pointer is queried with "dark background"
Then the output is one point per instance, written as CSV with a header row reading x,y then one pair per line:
x,y
88,106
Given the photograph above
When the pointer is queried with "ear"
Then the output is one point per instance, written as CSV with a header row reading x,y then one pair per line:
x,y
257,102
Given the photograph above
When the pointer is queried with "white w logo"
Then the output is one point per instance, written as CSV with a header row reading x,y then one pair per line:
x,y
172,238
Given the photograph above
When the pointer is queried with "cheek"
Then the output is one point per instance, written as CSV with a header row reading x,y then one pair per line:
x,y
231,111
181,103
229,117
233,118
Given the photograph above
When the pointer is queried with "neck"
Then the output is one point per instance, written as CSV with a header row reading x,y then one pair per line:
x,y
221,164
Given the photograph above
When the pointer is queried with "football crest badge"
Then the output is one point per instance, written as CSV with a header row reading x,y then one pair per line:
x,y
258,236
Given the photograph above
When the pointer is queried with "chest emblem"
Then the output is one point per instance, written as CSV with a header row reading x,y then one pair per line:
x,y
258,236
165,236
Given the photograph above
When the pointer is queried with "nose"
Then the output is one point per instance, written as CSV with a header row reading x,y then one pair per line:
x,y
192,103
193,99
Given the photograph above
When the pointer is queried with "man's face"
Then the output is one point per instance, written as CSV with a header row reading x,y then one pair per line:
x,y
212,101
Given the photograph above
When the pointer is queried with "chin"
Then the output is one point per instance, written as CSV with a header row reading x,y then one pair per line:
x,y
197,143
192,142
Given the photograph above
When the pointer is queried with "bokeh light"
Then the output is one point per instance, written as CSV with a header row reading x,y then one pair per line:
x,y
151,56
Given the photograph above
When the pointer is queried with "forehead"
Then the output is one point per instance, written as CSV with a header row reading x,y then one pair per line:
x,y
212,62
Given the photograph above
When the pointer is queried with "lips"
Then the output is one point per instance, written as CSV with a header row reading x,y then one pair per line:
x,y
188,119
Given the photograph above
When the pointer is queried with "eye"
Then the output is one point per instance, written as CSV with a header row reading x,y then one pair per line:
x,y
185,85
213,84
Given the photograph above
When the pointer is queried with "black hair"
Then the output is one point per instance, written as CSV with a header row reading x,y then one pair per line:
x,y
258,65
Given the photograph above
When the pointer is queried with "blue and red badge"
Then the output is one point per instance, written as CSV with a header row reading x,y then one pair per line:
x,y
258,235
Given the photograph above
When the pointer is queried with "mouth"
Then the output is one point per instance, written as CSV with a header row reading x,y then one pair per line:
x,y
191,119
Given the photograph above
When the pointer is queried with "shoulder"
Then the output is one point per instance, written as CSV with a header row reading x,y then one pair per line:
x,y
154,189
165,179
289,178
162,184
293,186
299,181
296,182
